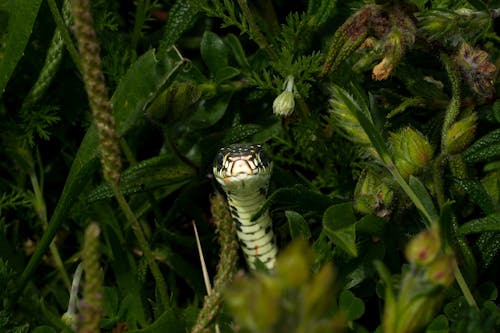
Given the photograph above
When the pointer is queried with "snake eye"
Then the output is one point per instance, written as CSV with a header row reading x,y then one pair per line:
x,y
219,159
263,157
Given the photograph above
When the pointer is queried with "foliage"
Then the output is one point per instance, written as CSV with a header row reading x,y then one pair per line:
x,y
381,118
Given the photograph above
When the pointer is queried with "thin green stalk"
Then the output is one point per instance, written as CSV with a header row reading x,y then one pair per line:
x,y
143,244
41,211
464,287
65,33
257,34
437,179
139,19
453,109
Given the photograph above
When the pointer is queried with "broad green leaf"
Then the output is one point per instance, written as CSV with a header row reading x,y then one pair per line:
x,y
339,224
213,52
371,224
488,223
210,111
484,149
426,200
298,225
159,171
351,305
21,17
145,79
296,198
226,73
180,18
438,325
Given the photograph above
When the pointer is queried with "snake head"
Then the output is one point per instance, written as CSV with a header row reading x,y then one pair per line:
x,y
242,165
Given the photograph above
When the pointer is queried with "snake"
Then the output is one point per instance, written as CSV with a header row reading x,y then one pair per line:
x,y
244,171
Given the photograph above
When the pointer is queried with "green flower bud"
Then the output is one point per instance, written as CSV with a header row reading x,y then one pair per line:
x,y
372,194
411,151
424,247
442,270
284,104
461,134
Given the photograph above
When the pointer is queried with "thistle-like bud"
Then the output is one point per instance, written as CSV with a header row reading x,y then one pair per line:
x,y
424,247
476,69
372,195
411,151
461,134
284,104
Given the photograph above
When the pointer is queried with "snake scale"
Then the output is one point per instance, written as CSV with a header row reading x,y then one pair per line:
x,y
243,171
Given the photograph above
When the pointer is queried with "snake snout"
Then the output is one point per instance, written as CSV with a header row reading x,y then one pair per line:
x,y
241,167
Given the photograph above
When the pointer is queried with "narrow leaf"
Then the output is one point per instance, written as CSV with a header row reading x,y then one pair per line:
x,y
484,149
426,200
22,15
488,223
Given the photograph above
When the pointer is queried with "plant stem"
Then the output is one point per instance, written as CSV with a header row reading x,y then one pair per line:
x,y
143,244
464,287
438,179
41,211
257,34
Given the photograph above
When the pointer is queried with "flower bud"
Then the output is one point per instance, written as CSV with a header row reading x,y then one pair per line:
x,y
411,151
461,134
424,247
372,194
477,69
284,104
442,270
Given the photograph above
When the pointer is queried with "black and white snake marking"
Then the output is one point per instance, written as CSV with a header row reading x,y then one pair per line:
x,y
243,170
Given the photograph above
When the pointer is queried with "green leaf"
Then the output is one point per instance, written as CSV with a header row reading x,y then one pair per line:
x,y
488,223
181,17
298,225
484,149
161,171
213,52
145,79
44,329
296,198
210,111
477,194
225,73
234,44
339,224
426,200
22,15
438,325
352,306
371,224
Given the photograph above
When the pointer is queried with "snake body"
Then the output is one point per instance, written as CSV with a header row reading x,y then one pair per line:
x,y
243,170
